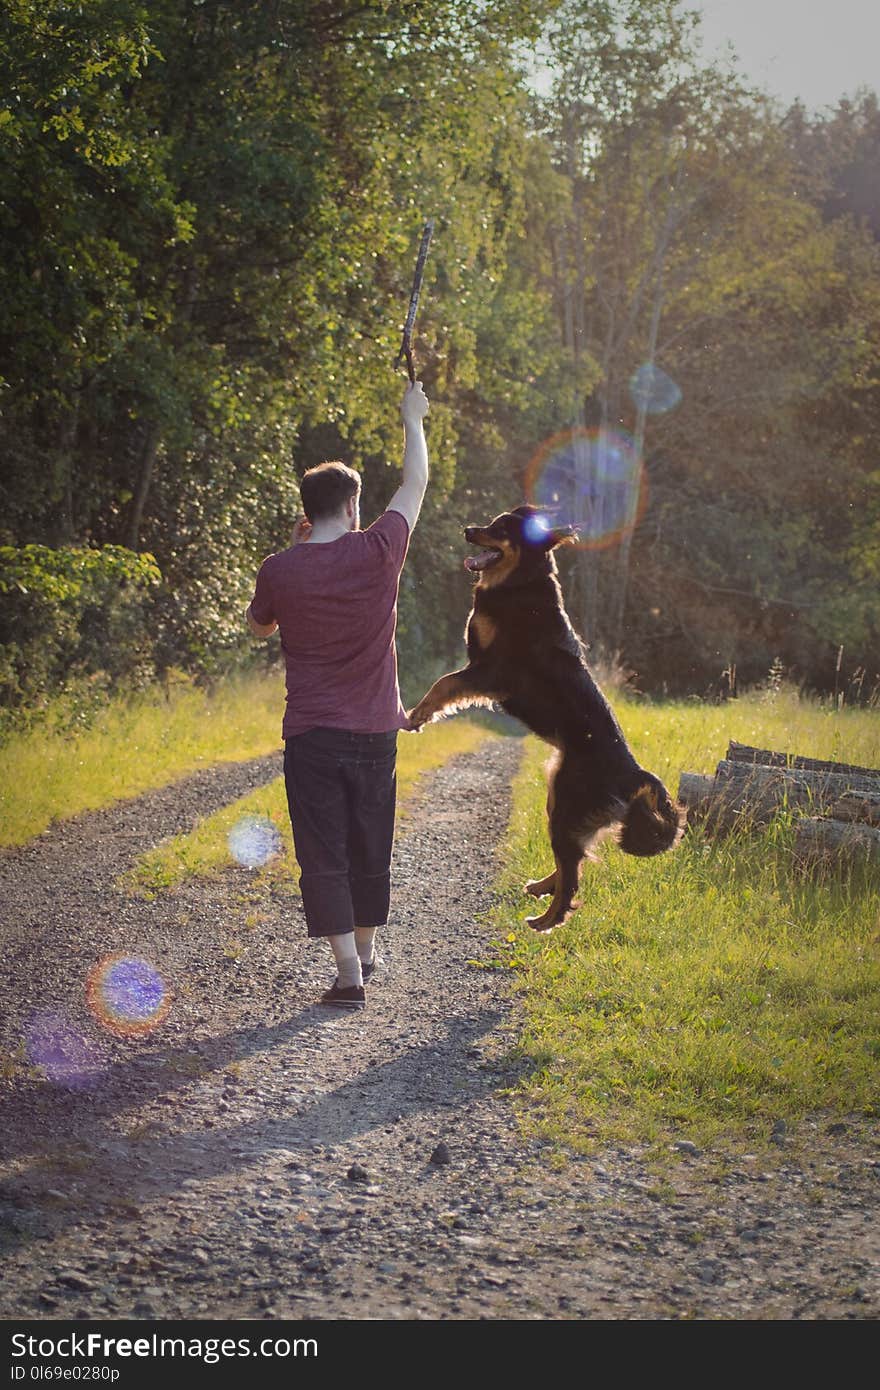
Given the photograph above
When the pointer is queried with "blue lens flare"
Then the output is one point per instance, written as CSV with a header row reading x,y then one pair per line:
x,y
55,1044
253,841
127,995
653,390
591,480
536,528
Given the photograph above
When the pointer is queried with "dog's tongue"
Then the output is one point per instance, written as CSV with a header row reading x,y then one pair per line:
x,y
475,563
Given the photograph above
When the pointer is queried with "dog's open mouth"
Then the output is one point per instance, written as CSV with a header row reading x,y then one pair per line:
x,y
485,560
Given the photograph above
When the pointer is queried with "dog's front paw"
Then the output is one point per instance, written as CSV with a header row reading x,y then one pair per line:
x,y
417,718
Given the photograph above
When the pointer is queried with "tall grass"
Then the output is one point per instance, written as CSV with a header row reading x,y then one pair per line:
x,y
132,746
712,991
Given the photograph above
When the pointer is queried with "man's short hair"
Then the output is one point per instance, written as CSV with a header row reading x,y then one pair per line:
x,y
325,490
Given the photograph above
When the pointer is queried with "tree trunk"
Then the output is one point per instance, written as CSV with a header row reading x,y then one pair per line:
x,y
798,784
748,794
638,450
857,806
820,839
743,753
695,793
67,452
145,473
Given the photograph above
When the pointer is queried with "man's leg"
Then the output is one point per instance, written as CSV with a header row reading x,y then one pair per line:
x,y
317,798
373,791
348,961
365,940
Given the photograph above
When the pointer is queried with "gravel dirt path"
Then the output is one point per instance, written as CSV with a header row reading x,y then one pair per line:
x,y
258,1156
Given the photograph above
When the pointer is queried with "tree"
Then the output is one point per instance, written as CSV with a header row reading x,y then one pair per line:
x,y
240,189
692,246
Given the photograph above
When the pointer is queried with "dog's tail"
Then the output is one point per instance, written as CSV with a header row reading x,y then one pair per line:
x,y
652,821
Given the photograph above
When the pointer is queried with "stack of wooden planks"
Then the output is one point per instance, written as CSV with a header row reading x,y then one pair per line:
x,y
838,804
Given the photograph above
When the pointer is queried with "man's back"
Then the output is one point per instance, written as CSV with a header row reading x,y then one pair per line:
x,y
335,605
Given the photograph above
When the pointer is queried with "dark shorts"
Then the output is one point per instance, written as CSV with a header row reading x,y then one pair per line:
x,y
341,793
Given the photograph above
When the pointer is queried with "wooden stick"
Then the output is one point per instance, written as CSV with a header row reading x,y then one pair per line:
x,y
406,345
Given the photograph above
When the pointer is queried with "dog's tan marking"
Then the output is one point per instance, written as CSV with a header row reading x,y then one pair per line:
x,y
446,691
649,794
497,573
484,630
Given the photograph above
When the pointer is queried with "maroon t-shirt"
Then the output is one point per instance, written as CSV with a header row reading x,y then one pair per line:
x,y
335,603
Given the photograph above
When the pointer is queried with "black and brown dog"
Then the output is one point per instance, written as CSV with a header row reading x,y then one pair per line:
x,y
524,655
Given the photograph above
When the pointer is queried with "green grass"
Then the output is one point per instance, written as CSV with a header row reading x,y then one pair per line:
x,y
131,747
706,993
205,850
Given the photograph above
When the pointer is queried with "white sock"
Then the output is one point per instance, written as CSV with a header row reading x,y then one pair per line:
x,y
348,962
365,937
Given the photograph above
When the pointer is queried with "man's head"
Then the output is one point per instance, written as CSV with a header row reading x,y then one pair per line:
x,y
331,490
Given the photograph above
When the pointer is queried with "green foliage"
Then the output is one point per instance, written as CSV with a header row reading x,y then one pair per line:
x,y
212,213
70,613
209,219
703,234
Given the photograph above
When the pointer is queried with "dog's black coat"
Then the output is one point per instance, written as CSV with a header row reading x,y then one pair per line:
x,y
524,655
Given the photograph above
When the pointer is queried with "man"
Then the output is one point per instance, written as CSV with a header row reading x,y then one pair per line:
x,y
333,595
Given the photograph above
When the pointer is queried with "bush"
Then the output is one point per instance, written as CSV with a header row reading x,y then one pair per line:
x,y
73,614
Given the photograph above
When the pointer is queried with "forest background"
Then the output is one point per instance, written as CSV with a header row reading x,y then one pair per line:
x,y
644,273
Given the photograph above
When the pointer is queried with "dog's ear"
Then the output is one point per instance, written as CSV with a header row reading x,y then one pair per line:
x,y
561,535
541,528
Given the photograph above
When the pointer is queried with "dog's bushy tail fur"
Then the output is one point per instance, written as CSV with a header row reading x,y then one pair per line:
x,y
652,821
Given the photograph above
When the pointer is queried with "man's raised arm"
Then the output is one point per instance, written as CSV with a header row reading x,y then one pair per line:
x,y
408,498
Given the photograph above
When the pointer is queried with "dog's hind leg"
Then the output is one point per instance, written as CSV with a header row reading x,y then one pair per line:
x,y
565,881
567,843
540,887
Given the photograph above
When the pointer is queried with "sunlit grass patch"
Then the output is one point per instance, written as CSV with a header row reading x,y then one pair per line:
x,y
133,746
704,993
692,736
205,850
